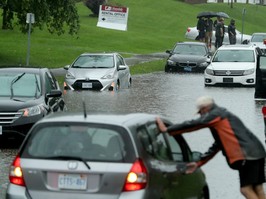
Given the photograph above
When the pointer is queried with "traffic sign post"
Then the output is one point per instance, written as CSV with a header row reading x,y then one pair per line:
x,y
30,19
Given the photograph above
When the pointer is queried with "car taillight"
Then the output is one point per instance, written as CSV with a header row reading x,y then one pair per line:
x,y
188,29
15,175
264,41
264,111
137,177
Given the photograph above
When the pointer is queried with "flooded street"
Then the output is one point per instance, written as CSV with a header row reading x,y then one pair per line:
x,y
173,96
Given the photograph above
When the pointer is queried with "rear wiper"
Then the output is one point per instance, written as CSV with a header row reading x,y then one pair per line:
x,y
13,82
69,158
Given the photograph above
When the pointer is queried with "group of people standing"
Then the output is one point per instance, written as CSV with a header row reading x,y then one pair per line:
x,y
205,26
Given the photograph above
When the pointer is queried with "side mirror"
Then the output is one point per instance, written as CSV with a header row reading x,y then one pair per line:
x,y
66,67
122,67
169,51
54,93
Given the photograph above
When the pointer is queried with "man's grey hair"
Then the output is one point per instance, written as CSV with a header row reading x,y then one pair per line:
x,y
204,101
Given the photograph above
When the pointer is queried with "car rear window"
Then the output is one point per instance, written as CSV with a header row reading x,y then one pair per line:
x,y
87,141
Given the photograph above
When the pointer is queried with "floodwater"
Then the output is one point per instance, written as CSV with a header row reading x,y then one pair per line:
x,y
173,96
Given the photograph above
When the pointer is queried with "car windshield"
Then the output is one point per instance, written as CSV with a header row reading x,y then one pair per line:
x,y
88,142
258,38
234,56
190,49
94,61
20,85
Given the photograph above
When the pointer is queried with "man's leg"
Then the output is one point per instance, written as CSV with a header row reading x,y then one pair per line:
x,y
248,192
260,191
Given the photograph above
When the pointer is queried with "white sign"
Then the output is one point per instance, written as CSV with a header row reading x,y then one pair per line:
x,y
113,17
30,18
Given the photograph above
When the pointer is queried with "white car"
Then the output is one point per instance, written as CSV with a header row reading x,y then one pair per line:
x,y
259,39
98,71
192,34
232,65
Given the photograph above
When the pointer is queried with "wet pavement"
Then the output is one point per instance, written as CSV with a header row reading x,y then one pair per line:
x,y
171,95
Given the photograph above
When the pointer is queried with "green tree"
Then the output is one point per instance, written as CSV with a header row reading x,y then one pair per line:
x,y
57,15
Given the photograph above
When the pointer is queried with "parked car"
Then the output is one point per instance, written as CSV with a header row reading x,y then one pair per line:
x,y
232,65
192,34
26,96
188,57
104,156
260,87
98,71
259,39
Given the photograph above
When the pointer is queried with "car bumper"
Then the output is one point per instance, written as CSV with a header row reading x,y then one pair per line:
x,y
82,84
16,192
247,80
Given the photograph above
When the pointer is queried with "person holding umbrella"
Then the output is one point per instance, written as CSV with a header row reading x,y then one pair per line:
x,y
219,33
232,32
201,29
242,149
208,34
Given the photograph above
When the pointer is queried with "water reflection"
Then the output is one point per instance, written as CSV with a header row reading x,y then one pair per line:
x,y
173,95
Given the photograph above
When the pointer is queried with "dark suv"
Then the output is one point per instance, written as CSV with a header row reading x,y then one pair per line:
x,y
26,95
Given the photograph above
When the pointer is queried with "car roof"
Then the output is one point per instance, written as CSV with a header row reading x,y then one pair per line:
x,y
191,42
237,46
101,118
259,33
103,53
23,69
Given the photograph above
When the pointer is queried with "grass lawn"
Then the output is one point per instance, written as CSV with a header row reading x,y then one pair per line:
x,y
153,26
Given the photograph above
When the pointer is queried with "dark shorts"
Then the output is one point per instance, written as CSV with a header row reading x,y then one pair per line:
x,y
251,172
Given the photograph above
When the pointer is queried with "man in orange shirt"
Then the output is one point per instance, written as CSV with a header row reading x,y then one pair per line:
x,y
243,151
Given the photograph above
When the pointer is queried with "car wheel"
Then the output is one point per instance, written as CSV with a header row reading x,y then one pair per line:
x,y
167,69
129,83
205,194
117,86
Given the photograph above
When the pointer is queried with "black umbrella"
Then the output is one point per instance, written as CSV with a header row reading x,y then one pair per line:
x,y
222,14
207,14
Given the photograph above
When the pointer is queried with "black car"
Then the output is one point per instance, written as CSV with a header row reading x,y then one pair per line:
x,y
26,96
260,85
188,57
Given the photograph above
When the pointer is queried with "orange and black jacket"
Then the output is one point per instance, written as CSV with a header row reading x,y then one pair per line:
x,y
231,136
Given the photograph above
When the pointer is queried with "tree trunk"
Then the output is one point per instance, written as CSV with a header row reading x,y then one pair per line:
x,y
4,22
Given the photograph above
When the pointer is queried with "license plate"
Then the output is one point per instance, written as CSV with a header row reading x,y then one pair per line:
x,y
86,85
1,130
72,181
189,69
228,80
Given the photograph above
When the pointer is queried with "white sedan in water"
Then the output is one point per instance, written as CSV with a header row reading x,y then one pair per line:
x,y
192,34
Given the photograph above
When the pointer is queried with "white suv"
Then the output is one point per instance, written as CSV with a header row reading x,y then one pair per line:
x,y
232,65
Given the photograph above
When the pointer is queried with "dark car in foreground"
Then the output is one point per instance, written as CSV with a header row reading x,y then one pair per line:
x,y
103,156
26,96
188,57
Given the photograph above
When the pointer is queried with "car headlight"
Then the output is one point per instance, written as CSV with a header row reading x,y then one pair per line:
x,y
249,71
69,75
209,71
204,64
31,111
108,76
170,62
